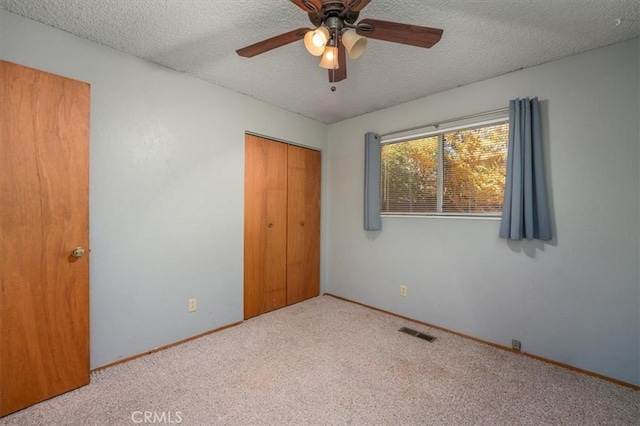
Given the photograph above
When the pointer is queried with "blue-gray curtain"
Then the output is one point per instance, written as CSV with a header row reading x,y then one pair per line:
x,y
525,211
372,219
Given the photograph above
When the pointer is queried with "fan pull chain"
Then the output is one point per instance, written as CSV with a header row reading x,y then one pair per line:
x,y
336,34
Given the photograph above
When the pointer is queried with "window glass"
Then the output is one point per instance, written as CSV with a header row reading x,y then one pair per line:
x,y
458,172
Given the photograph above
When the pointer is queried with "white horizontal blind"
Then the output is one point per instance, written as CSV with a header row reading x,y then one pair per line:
x,y
455,171
410,176
474,169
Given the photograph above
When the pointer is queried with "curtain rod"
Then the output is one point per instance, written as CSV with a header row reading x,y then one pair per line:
x,y
451,120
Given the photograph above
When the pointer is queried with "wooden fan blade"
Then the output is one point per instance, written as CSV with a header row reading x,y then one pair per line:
x,y
340,73
355,5
308,5
413,35
272,43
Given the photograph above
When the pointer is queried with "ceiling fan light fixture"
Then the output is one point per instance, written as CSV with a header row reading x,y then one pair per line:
x,y
316,40
330,58
338,32
354,43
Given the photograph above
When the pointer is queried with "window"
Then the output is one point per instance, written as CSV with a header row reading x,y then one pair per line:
x,y
457,171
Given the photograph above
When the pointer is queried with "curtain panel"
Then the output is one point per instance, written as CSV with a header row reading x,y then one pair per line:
x,y
372,219
525,210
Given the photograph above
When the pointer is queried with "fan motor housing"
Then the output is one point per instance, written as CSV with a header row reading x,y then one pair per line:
x,y
333,9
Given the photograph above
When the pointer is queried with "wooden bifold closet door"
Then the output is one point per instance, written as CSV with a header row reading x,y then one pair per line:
x,y
44,216
281,225
303,224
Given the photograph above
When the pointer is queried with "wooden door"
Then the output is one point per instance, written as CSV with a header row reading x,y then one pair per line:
x,y
44,299
303,236
265,226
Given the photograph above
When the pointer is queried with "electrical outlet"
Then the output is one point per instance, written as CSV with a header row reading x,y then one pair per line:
x,y
193,305
516,344
403,290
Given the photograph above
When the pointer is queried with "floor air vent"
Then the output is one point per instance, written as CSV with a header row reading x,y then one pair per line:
x,y
415,333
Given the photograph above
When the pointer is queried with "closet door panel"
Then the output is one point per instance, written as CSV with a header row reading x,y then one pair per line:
x,y
303,230
265,221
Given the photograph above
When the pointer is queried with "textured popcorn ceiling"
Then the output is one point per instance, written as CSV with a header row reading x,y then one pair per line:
x,y
481,39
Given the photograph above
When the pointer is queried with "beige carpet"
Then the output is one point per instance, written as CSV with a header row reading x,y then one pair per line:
x,y
330,362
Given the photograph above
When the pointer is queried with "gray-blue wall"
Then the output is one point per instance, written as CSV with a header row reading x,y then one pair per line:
x,y
166,188
575,300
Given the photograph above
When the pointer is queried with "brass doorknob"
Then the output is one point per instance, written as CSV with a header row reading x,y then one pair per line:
x,y
77,252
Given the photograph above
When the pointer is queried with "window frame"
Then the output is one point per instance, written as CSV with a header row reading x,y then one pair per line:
x,y
439,131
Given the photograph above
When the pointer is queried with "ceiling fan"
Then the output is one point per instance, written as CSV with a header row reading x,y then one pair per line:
x,y
337,31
